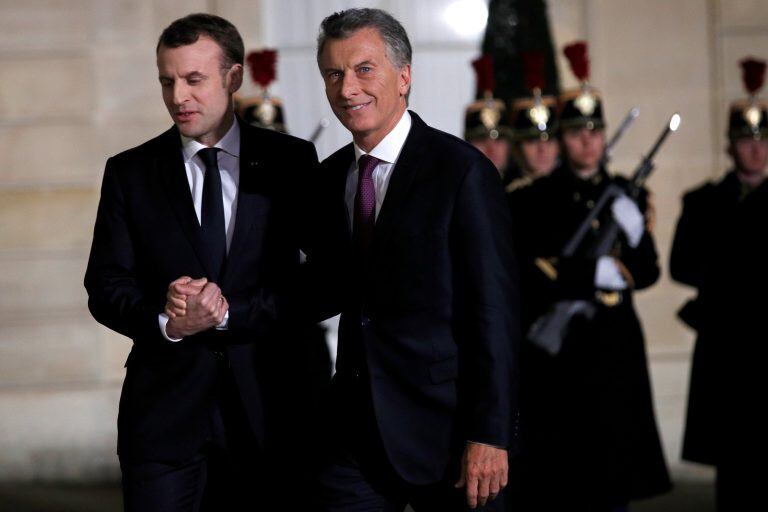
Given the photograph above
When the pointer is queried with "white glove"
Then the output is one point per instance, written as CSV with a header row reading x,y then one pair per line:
x,y
628,216
608,276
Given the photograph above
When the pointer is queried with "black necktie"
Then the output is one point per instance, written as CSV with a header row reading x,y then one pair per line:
x,y
212,215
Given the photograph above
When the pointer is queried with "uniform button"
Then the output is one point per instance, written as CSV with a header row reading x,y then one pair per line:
x,y
590,204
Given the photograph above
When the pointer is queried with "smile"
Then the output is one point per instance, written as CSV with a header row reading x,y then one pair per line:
x,y
355,108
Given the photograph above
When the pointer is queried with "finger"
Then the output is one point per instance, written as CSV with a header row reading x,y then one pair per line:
x,y
209,296
175,311
193,284
223,306
184,289
472,490
181,280
495,487
212,303
483,490
180,294
170,314
178,303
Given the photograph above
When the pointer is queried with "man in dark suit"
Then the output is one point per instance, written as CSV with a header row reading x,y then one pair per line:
x,y
213,199
424,397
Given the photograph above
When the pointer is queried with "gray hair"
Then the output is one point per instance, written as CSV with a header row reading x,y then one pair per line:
x,y
342,24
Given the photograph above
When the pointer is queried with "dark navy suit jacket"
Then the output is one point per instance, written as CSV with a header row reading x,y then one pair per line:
x,y
147,235
435,309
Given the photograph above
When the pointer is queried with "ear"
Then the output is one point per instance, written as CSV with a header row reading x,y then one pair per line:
x,y
404,80
235,78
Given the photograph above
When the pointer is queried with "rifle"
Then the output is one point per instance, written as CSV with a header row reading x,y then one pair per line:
x,y
549,330
322,125
633,114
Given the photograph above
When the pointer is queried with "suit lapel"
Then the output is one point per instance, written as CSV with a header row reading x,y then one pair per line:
x,y
171,167
340,170
406,169
252,197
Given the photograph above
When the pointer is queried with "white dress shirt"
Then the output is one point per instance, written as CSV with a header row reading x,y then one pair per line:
x,y
387,151
229,168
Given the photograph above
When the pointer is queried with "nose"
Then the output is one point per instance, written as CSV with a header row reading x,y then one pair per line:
x,y
180,93
349,86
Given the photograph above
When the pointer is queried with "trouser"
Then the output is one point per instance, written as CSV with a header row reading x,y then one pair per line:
x,y
227,474
357,475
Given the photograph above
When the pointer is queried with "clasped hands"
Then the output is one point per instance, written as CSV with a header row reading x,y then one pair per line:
x,y
192,306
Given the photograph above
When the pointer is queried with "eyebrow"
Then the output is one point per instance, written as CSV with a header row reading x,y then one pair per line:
x,y
364,63
191,74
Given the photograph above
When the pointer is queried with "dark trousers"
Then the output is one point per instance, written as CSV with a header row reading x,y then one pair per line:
x,y
357,475
226,475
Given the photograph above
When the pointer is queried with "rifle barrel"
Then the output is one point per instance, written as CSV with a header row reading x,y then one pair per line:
x,y
633,113
672,126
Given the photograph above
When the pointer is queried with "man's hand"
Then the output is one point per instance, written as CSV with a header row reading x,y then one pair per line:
x,y
178,291
484,471
203,311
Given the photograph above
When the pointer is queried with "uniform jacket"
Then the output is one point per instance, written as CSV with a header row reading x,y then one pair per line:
x,y
588,429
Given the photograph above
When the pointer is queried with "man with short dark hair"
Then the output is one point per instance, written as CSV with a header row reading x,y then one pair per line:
x,y
424,397
207,208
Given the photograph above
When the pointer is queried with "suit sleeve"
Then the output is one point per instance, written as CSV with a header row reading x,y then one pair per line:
x,y
288,297
115,298
488,290
322,227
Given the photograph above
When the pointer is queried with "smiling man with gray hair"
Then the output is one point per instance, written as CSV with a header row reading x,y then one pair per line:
x,y
424,399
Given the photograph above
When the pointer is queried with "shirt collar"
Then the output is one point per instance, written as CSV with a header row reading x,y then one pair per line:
x,y
229,143
390,146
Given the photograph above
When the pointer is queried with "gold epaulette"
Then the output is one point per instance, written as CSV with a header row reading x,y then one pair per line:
x,y
518,183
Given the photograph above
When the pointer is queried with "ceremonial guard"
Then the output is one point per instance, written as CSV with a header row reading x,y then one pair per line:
x,y
486,121
719,233
589,436
534,126
263,109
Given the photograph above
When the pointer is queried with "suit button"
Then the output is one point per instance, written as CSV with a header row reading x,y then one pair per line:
x,y
365,322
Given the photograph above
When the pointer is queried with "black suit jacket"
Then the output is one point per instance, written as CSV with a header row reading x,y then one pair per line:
x,y
435,310
146,235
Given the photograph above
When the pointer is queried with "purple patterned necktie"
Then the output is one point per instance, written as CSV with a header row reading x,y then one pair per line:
x,y
365,205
